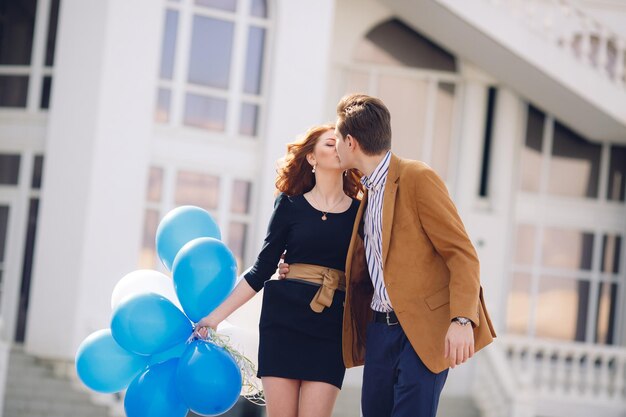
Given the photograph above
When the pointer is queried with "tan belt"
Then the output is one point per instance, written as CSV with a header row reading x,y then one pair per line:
x,y
329,279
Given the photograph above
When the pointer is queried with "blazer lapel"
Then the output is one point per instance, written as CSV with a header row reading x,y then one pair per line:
x,y
389,202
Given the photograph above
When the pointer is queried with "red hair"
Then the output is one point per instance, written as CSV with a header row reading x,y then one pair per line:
x,y
294,174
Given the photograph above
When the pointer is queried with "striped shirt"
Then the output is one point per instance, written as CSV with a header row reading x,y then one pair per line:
x,y
375,184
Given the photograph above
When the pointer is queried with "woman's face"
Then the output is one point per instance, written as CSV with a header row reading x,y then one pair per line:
x,y
325,152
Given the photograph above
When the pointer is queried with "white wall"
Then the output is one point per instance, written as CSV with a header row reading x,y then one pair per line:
x,y
97,154
297,87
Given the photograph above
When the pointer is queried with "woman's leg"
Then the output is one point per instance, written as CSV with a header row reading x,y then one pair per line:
x,y
281,396
317,399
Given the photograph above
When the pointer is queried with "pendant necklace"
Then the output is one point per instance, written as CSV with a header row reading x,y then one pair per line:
x,y
324,217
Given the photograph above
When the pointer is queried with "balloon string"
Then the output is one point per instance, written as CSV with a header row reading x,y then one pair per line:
x,y
252,390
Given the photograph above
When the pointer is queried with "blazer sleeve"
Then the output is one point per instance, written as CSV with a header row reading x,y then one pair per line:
x,y
273,247
443,226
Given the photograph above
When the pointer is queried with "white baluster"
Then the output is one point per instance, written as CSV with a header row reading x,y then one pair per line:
x,y
585,41
620,55
575,374
620,374
603,50
560,372
604,376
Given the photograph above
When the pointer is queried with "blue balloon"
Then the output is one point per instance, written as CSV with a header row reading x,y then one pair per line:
x,y
154,393
208,379
149,323
204,274
182,225
175,352
105,366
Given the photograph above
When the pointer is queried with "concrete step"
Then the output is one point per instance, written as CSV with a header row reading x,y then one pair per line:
x,y
33,390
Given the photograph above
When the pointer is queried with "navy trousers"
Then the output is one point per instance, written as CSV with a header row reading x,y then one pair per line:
x,y
396,383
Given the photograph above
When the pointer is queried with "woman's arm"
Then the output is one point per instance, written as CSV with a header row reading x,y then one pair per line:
x,y
242,293
263,269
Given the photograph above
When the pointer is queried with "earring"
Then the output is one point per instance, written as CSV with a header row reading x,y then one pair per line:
x,y
345,173
313,170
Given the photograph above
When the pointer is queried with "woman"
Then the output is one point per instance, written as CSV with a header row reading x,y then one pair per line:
x,y
300,359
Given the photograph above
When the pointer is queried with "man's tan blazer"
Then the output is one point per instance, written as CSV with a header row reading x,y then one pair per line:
x,y
430,268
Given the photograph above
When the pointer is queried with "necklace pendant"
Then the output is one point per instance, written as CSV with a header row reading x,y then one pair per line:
x,y
324,217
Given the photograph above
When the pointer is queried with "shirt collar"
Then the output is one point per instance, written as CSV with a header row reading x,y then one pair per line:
x,y
375,180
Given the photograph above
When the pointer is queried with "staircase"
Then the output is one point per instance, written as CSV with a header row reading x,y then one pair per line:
x,y
34,390
523,377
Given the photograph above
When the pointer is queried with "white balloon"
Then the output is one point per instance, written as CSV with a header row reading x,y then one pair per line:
x,y
245,341
144,281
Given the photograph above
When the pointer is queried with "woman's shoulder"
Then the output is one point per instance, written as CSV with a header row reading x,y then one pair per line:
x,y
285,201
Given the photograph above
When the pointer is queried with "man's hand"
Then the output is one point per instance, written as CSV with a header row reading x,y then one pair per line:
x,y
459,343
283,270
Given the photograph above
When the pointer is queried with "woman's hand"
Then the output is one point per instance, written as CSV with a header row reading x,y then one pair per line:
x,y
202,326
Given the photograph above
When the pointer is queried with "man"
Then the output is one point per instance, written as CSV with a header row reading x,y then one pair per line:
x,y
414,304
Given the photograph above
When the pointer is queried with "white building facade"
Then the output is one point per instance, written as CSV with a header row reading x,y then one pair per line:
x,y
114,112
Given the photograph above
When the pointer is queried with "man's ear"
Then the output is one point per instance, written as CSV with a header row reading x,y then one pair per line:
x,y
352,142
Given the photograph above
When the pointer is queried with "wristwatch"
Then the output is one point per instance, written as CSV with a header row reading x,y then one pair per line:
x,y
463,321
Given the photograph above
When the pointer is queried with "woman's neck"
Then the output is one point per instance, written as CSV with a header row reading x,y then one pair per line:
x,y
328,187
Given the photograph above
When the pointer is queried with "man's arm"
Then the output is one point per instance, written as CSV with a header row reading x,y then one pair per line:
x,y
444,227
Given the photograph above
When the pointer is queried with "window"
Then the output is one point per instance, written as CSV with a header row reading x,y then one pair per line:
x,y
25,64
226,198
417,80
559,162
556,291
212,66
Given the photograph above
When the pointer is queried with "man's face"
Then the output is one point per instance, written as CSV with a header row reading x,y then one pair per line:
x,y
342,150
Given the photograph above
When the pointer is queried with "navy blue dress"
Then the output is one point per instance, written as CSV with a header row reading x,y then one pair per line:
x,y
295,342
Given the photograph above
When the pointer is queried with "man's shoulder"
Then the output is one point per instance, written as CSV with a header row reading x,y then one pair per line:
x,y
411,169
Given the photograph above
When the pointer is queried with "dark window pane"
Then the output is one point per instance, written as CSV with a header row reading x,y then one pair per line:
x,y
259,8
4,227
45,92
9,169
194,188
168,48
254,60
205,112
574,166
52,32
228,5
27,268
607,309
155,184
13,90
617,174
17,24
531,153
611,249
249,119
162,113
37,172
394,43
240,202
211,49
567,249
561,308
484,174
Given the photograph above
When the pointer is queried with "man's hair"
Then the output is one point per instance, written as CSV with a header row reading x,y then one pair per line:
x,y
367,120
